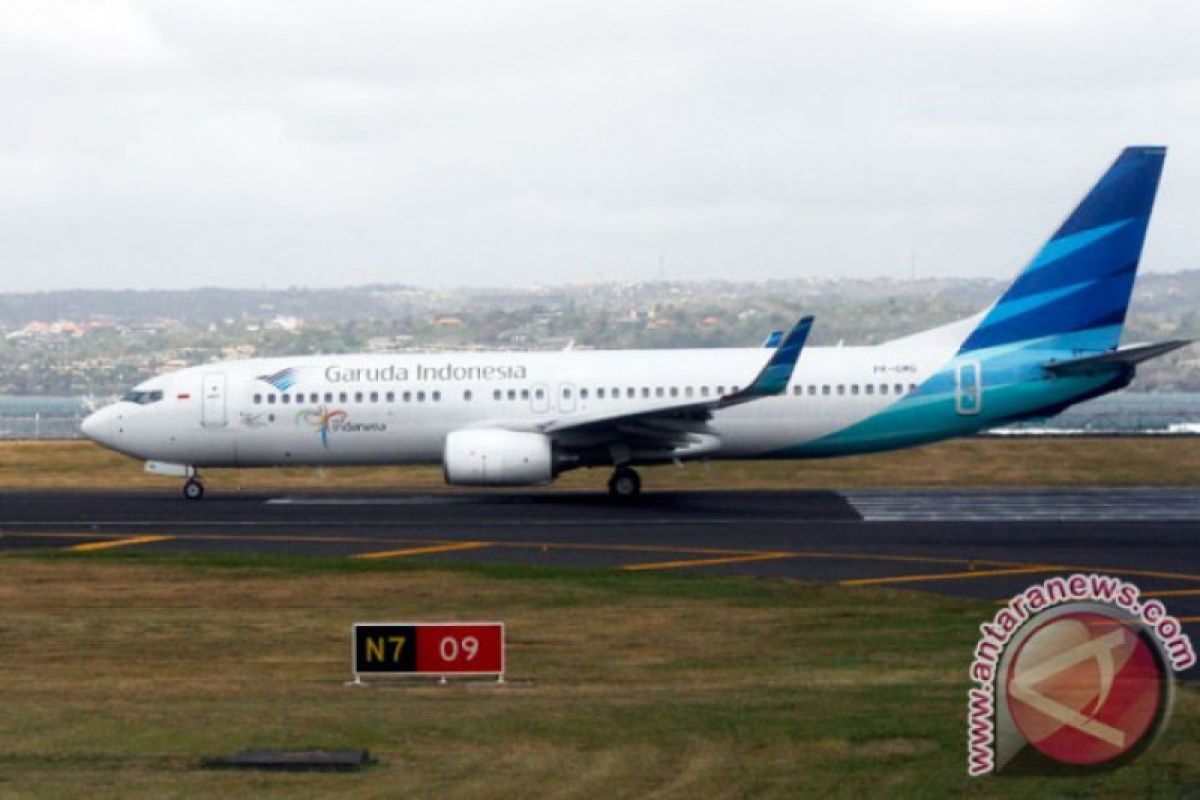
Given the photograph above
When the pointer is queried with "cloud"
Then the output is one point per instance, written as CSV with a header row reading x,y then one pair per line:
x,y
104,34
271,143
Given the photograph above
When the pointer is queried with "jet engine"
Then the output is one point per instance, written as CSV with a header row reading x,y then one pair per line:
x,y
490,457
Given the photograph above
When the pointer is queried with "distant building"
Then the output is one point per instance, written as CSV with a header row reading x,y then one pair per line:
x,y
285,323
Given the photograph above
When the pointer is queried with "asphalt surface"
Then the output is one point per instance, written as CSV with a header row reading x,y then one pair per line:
x,y
978,543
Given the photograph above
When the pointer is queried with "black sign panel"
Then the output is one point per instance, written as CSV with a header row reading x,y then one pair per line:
x,y
385,648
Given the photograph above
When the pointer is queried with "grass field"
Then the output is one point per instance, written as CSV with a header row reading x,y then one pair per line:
x,y
119,675
1161,461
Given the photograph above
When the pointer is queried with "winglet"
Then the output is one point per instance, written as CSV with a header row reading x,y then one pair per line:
x,y
775,376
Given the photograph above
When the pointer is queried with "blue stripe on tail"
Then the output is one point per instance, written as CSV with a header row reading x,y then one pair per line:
x,y
1082,278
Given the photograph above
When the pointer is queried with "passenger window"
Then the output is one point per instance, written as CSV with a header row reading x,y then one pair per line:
x,y
566,393
600,393
374,397
720,391
869,388
437,396
912,387
812,389
512,394
271,399
524,394
329,397
342,397
796,389
467,395
616,393
408,397
825,389
841,388
645,391
688,391
674,391
497,395
899,388
658,391
420,397
539,394
854,388
883,388
391,397
630,392
734,390
583,394
285,399
704,391
358,397
258,399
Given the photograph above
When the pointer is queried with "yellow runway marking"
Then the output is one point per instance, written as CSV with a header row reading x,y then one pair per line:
x,y
107,544
706,562
716,552
712,555
946,576
420,551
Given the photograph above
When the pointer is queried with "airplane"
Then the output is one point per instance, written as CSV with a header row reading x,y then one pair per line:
x,y
523,418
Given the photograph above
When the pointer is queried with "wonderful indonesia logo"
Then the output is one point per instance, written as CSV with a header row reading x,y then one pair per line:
x,y
1074,674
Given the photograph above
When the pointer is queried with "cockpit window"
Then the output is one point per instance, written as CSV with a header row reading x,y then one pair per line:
x,y
143,398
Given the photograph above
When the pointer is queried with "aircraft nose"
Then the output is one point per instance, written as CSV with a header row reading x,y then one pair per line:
x,y
100,426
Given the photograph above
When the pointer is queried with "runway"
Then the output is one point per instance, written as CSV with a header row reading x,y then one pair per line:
x,y
978,543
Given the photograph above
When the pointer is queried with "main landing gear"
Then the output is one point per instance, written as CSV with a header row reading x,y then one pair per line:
x,y
193,489
625,483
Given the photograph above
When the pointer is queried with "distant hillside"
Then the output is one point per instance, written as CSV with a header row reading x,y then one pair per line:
x,y
81,342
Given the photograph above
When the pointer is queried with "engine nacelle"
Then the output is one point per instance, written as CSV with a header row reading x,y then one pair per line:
x,y
490,457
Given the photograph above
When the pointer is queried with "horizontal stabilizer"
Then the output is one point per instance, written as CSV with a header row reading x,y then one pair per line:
x,y
1124,356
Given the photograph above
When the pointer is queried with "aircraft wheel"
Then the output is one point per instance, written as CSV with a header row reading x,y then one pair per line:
x,y
625,483
193,489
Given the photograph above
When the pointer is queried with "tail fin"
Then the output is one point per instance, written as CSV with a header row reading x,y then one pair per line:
x,y
1078,285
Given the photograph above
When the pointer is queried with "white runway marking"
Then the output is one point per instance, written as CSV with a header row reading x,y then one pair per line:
x,y
415,500
1109,505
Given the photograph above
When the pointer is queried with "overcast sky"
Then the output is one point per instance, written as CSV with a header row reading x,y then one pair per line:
x,y
269,144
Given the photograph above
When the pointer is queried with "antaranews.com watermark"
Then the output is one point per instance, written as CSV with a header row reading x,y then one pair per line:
x,y
1074,672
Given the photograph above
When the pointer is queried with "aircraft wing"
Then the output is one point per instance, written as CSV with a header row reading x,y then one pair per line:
x,y
1127,356
681,426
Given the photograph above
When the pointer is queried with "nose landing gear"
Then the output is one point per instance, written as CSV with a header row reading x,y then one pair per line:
x,y
625,483
193,489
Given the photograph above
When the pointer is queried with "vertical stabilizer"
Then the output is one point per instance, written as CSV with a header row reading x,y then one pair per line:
x,y
1078,286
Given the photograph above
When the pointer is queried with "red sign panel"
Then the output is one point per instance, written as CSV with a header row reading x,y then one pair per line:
x,y
428,648
460,648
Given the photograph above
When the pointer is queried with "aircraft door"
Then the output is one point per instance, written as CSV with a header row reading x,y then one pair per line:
x,y
566,397
212,412
539,400
968,395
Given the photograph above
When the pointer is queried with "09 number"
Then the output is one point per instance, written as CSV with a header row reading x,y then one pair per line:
x,y
450,648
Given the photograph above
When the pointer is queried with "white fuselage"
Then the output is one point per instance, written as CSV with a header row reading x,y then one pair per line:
x,y
399,408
